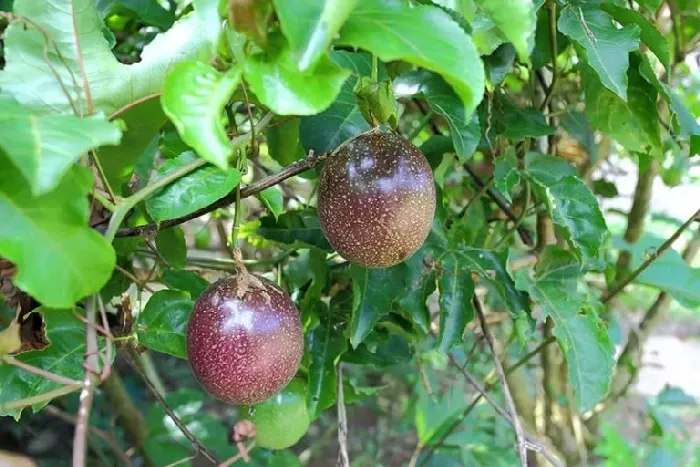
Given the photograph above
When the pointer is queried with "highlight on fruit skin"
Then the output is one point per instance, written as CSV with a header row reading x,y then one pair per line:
x,y
283,419
244,339
376,199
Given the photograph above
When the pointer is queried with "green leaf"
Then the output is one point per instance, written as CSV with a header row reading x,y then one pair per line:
x,y
456,292
578,127
142,123
434,417
171,245
326,131
273,199
651,36
65,259
516,20
383,351
393,30
505,173
310,26
512,121
192,192
606,46
31,81
283,143
325,343
209,21
194,97
187,281
295,228
44,148
64,356
162,324
443,100
276,81
634,124
419,284
574,207
580,333
149,11
499,63
374,292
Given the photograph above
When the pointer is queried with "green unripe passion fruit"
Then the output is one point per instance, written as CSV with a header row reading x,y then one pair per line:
x,y
281,420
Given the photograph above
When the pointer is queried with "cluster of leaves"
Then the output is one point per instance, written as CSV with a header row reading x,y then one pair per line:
x,y
98,134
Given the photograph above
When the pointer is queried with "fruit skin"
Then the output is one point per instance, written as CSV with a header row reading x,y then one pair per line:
x,y
281,420
376,200
244,350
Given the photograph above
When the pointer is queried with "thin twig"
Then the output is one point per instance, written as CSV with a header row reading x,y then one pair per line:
x,y
242,453
89,381
254,188
10,360
38,399
522,448
343,456
129,354
651,258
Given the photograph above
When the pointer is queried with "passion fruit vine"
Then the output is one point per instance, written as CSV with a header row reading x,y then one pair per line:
x,y
376,200
244,339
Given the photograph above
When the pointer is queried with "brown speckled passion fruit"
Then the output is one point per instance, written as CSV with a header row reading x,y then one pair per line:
x,y
376,200
244,348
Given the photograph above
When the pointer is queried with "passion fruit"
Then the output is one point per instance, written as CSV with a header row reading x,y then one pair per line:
x,y
281,420
376,200
244,339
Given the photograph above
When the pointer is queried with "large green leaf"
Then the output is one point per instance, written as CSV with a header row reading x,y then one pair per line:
x,y
172,247
374,293
635,123
59,258
574,207
210,23
80,55
142,122
277,82
443,100
310,26
186,281
64,357
295,228
433,417
163,323
194,191
423,35
651,36
325,344
513,121
194,97
607,47
580,333
283,143
516,20
456,291
327,130
505,173
44,147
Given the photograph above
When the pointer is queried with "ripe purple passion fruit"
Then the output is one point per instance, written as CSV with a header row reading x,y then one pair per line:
x,y
244,342
376,200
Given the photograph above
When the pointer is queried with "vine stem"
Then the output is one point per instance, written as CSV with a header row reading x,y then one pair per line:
x,y
651,258
343,456
10,360
519,434
552,4
129,354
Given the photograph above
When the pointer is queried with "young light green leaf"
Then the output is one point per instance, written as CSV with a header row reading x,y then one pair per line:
x,y
194,97
579,331
573,206
310,26
187,281
273,199
81,56
63,356
209,21
505,173
172,247
194,191
276,81
326,131
456,310
607,47
142,122
44,147
65,259
162,324
443,100
651,36
326,343
374,293
393,30
516,19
